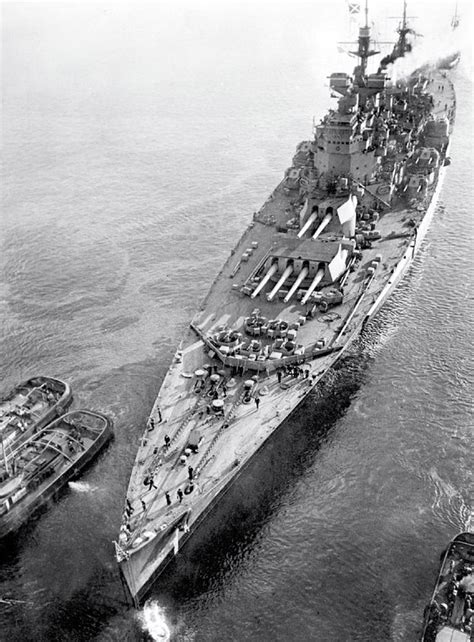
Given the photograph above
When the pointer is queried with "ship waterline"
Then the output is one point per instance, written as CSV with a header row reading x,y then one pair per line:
x,y
315,264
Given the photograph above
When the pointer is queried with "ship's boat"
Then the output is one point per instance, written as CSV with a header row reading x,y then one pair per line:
x,y
29,406
449,616
316,263
37,468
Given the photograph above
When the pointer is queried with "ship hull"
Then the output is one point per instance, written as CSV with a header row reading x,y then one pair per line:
x,y
405,263
142,569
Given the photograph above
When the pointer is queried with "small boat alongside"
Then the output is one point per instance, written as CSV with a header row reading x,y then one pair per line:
x,y
30,406
449,617
40,466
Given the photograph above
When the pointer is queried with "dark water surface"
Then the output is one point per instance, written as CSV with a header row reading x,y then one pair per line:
x,y
136,144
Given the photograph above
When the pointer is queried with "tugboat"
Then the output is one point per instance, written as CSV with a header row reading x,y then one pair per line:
x,y
450,614
40,466
316,263
30,406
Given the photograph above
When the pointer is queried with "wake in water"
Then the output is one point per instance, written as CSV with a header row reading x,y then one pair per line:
x,y
82,487
153,621
468,514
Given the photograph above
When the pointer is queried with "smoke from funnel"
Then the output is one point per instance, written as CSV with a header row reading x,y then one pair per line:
x,y
430,49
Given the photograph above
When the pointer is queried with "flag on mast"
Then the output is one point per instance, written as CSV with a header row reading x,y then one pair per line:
x,y
354,7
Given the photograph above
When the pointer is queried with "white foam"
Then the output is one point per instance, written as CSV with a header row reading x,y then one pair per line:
x,y
82,487
467,514
153,621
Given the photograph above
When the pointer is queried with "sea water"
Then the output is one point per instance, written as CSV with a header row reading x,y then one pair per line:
x,y
137,142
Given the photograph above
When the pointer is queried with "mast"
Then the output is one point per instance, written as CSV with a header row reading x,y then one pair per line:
x,y
403,30
363,50
403,44
455,19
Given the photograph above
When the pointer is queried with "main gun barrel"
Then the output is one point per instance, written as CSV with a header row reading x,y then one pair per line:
x,y
322,225
312,287
271,271
300,278
281,280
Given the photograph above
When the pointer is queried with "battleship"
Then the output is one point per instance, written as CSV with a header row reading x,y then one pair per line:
x,y
313,267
